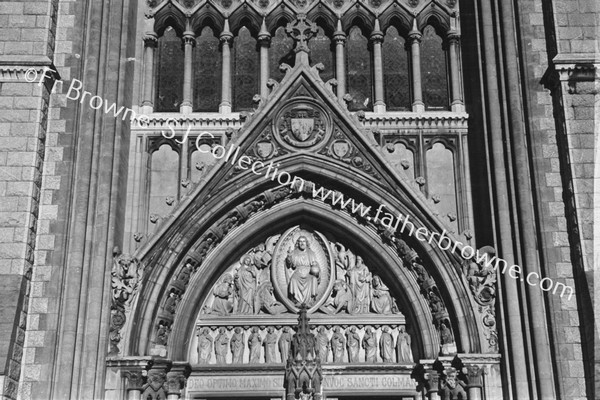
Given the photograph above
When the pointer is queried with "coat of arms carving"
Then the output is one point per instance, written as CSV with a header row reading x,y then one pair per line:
x,y
302,125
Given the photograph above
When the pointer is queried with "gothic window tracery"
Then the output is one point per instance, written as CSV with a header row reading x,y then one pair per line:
x,y
169,91
207,72
245,70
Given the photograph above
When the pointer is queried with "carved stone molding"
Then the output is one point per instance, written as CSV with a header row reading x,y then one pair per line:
x,y
576,67
409,120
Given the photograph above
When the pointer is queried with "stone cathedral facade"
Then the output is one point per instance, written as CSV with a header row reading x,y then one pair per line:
x,y
210,199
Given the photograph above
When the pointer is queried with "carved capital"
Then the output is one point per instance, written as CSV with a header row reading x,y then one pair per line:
x,y
226,39
176,378
453,38
174,382
135,379
474,375
189,38
156,379
340,37
377,37
150,39
415,36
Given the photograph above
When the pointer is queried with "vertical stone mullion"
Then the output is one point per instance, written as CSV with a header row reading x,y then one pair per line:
x,y
264,40
415,54
226,41
340,60
150,42
377,41
189,41
457,103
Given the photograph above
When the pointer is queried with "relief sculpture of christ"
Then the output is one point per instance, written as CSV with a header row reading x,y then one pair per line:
x,y
303,282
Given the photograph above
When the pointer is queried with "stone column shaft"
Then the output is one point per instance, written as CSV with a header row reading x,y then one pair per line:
x,y
377,40
189,41
340,61
225,106
150,42
134,394
415,53
264,40
456,94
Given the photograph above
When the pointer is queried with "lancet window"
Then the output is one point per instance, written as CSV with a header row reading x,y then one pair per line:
x,y
169,77
388,68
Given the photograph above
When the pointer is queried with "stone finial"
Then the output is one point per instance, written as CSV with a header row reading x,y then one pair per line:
x,y
301,30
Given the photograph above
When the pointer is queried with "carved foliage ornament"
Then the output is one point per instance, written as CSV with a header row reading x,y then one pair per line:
x,y
126,276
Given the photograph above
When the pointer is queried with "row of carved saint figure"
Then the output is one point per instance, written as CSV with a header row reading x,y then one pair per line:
x,y
340,347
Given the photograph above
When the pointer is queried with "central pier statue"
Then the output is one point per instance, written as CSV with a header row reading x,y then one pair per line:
x,y
303,369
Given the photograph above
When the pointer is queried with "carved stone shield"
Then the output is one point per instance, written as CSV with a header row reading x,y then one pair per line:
x,y
301,123
264,149
341,148
302,128
282,272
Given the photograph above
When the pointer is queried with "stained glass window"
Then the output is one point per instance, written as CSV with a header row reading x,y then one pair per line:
x,y
169,87
433,71
358,67
395,72
208,64
281,51
245,70
322,52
